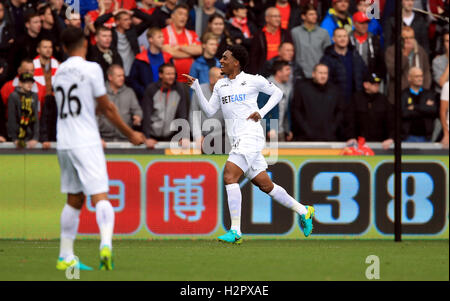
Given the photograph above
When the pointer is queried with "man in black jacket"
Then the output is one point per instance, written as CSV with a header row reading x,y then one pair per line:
x,y
163,102
317,109
125,34
264,46
370,115
419,109
346,66
161,15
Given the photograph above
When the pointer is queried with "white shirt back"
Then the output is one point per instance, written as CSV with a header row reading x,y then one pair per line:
x,y
77,84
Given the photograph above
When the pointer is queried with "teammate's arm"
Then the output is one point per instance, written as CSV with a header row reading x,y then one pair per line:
x,y
209,107
109,109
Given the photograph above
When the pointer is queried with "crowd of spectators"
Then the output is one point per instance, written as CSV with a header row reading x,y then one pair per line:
x,y
332,59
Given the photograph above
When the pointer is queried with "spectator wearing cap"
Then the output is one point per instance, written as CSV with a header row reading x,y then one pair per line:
x,y
240,27
367,45
415,21
265,43
413,55
183,44
346,67
317,108
370,115
310,41
419,109
290,13
338,17
23,122
375,27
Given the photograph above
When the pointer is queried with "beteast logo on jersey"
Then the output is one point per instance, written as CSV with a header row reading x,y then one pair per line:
x,y
233,98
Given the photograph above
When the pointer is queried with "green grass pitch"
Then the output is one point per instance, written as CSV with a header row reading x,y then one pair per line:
x,y
254,260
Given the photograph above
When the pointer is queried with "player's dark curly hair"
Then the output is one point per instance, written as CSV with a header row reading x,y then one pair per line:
x,y
239,53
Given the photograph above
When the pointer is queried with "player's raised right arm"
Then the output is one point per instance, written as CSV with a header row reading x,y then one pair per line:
x,y
209,107
109,109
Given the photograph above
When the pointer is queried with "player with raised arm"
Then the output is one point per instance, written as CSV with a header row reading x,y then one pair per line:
x,y
80,92
236,95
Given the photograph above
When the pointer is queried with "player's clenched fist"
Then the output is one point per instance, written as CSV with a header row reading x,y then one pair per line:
x,y
136,138
190,79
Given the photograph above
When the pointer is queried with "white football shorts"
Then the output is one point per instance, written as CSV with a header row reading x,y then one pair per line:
x,y
83,170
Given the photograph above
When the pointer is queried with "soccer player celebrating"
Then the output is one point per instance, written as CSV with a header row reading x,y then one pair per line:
x,y
236,95
79,89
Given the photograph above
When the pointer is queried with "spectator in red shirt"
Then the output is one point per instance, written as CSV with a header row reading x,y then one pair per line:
x,y
181,43
266,42
290,13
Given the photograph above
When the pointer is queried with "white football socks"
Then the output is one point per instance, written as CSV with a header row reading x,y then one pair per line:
x,y
70,218
234,205
105,221
280,195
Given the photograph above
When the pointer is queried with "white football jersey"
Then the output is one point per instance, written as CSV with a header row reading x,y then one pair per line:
x,y
237,98
77,84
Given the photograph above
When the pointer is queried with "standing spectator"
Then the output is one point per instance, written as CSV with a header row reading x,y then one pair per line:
x,y
52,27
164,101
102,52
374,27
317,108
146,65
23,121
181,43
368,45
310,41
217,26
17,11
26,66
201,66
45,65
104,7
419,109
7,39
441,65
125,34
370,115
125,100
199,16
265,43
197,117
281,77
415,21
240,27
346,67
290,13
338,17
161,16
444,114
26,44
413,55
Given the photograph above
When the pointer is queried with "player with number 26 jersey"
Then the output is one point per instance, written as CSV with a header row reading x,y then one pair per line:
x,y
77,84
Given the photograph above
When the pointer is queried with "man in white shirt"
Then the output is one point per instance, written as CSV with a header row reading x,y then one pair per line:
x,y
236,95
444,113
79,92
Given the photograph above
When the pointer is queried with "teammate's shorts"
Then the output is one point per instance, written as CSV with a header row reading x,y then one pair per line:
x,y
83,170
251,163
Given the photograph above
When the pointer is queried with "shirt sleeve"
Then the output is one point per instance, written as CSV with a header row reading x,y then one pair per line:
x,y
97,81
209,107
